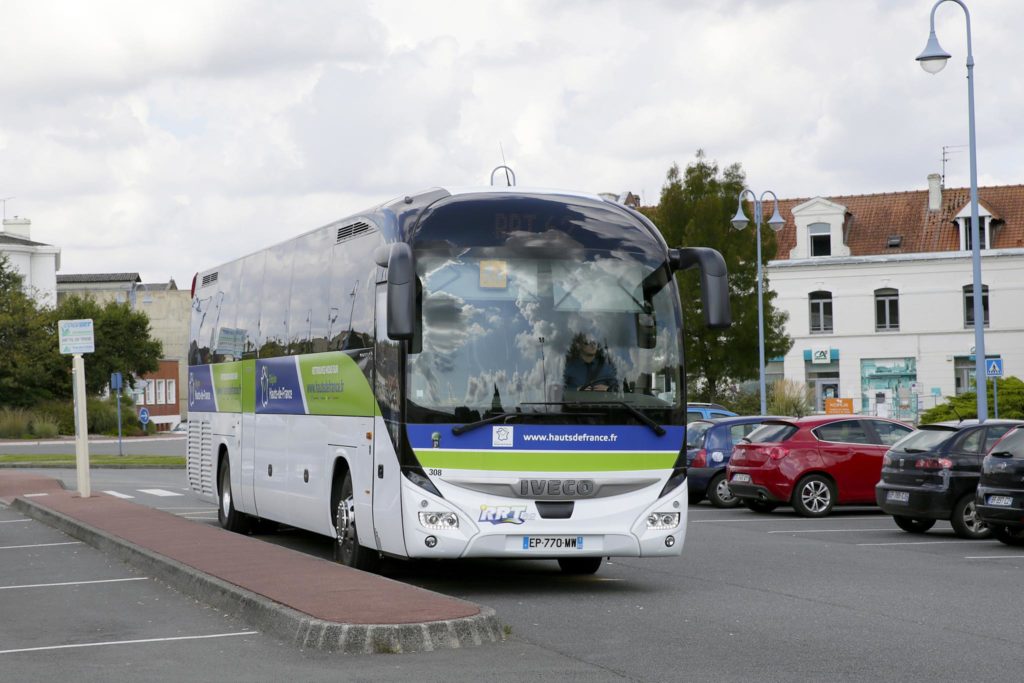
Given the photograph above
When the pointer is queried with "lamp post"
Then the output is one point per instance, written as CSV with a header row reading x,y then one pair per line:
x,y
932,60
739,221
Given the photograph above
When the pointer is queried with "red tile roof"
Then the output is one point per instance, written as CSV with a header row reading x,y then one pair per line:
x,y
872,218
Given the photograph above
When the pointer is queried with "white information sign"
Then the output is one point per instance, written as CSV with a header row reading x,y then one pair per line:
x,y
76,336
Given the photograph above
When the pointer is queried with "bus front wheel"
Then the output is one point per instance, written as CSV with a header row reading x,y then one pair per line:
x,y
347,549
579,565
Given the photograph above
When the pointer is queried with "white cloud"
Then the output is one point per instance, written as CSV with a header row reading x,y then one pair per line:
x,y
165,138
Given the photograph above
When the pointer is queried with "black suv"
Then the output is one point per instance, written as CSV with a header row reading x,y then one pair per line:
x,y
933,474
1000,498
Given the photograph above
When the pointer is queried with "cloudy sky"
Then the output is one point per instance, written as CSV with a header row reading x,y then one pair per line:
x,y
167,137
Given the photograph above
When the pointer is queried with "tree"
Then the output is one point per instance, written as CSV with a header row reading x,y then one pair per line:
x,y
695,210
123,342
25,334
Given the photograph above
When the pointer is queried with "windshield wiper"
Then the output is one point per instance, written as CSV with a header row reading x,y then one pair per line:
x,y
658,429
469,426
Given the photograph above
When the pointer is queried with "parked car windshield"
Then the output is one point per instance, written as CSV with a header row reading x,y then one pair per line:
x,y
695,433
772,432
925,439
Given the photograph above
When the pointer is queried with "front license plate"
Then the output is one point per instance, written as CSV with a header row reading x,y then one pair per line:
x,y
552,543
897,497
741,478
1002,501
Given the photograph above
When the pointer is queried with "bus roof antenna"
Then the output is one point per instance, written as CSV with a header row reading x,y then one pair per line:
x,y
511,180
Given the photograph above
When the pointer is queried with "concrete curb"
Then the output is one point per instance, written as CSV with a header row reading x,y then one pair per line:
x,y
271,617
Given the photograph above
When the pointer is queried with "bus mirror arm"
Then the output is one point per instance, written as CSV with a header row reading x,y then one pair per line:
x,y
401,292
714,282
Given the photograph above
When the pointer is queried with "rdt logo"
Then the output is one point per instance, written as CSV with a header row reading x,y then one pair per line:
x,y
502,514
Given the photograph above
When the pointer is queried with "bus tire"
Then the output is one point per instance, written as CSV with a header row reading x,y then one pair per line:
x,y
347,549
579,566
230,518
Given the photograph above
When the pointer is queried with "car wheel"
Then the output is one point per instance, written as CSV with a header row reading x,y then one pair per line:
x,y
579,565
230,518
913,525
966,522
719,493
814,496
347,549
1010,535
760,506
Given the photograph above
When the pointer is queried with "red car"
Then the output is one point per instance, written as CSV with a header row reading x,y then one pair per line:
x,y
812,463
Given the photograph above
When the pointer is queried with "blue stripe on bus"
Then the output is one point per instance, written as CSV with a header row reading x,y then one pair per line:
x,y
546,437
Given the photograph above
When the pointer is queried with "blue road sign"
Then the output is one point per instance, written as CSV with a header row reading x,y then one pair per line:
x,y
115,381
994,367
144,416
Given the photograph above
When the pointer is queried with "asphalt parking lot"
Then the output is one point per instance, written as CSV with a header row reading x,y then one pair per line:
x,y
754,597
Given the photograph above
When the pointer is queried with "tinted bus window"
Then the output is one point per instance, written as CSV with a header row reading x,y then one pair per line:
x,y
248,319
353,272
309,310
277,285
225,343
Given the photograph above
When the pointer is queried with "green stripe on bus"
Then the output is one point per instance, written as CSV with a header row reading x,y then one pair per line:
x,y
547,461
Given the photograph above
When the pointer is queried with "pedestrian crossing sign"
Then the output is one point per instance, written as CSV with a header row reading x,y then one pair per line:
x,y
994,367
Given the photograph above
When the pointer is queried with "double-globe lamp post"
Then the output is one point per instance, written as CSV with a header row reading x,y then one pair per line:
x,y
932,60
739,221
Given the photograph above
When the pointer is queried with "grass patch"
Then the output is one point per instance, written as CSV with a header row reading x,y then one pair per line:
x,y
58,460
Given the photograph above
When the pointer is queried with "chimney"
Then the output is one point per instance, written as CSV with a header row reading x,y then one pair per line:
x,y
934,192
18,227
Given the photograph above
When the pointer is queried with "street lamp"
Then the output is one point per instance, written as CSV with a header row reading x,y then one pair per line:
x,y
932,60
739,221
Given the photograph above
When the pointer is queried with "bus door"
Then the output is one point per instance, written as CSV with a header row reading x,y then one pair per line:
x,y
387,498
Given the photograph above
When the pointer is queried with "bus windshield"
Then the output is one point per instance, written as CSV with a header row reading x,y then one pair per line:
x,y
541,329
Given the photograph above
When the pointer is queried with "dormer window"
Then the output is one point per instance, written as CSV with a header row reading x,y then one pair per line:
x,y
982,234
963,223
820,238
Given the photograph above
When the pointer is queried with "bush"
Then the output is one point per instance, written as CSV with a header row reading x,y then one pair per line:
x,y
965,406
44,427
60,412
789,397
741,401
14,423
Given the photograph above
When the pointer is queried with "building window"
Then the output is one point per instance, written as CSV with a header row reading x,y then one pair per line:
x,y
821,312
150,392
969,305
820,235
887,309
159,391
171,398
965,231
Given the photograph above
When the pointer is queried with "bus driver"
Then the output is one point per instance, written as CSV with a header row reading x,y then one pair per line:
x,y
588,367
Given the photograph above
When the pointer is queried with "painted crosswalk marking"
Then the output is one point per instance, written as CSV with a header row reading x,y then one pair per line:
x,y
115,494
160,492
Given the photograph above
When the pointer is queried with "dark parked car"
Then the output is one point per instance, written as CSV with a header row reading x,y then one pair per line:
x,y
813,463
1000,496
933,474
709,445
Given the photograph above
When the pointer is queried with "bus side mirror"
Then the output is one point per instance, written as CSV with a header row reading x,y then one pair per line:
x,y
714,282
401,292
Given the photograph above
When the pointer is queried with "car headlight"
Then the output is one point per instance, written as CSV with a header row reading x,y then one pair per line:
x,y
439,520
663,520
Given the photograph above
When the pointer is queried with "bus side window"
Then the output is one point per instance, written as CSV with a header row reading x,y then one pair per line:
x,y
248,317
309,315
351,293
277,286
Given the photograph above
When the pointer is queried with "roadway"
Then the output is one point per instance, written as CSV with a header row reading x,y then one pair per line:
x,y
754,597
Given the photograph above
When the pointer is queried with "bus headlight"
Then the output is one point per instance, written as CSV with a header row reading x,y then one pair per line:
x,y
661,520
439,520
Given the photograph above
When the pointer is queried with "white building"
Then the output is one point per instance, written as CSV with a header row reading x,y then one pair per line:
x,y
37,263
878,291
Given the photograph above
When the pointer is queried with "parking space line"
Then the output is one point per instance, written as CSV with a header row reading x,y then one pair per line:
x,y
12,521
129,642
959,540
994,557
38,545
115,494
208,508
163,493
72,583
824,531
35,495
770,519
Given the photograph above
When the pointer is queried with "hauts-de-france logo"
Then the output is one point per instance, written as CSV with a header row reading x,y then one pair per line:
x,y
191,390
502,437
264,387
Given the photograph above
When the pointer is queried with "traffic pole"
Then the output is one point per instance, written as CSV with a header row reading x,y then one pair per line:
x,y
81,426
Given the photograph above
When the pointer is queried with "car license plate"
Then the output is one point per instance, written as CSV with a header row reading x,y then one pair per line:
x,y
552,543
897,497
741,478
1002,501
